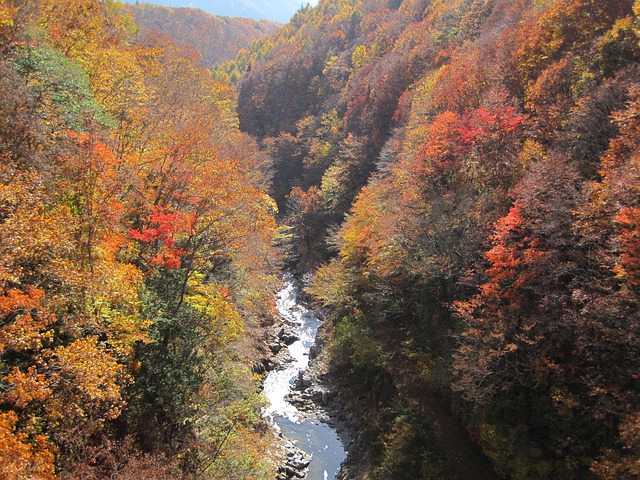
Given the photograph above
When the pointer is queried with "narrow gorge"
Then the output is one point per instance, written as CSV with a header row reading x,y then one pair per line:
x,y
315,450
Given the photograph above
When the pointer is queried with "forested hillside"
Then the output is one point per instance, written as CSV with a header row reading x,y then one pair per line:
x,y
463,178
274,10
136,255
215,38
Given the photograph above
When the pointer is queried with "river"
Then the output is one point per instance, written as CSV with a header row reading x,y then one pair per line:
x,y
304,430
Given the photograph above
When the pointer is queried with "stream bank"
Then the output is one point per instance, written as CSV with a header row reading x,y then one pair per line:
x,y
319,417
313,447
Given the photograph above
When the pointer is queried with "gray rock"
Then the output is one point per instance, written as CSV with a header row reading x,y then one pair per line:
x,y
299,464
302,382
268,364
290,338
287,337
258,368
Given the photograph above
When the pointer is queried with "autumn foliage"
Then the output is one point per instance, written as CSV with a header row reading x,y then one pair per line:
x,y
488,152
129,216
461,175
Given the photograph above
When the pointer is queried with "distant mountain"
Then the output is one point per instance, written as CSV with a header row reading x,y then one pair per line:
x,y
275,10
216,38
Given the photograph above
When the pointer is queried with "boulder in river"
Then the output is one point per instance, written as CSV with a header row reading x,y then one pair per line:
x,y
287,337
269,364
295,465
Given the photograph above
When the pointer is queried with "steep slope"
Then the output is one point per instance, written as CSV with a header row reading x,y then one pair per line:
x,y
215,38
136,255
465,172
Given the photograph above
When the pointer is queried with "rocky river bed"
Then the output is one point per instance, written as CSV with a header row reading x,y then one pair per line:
x,y
304,407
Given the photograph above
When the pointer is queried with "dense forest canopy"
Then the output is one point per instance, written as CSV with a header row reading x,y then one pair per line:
x,y
465,175
461,178
136,254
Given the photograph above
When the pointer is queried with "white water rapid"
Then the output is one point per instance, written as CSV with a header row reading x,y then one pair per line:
x,y
304,430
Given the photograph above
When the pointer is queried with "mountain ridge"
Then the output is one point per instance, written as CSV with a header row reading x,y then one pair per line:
x,y
216,38
275,10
